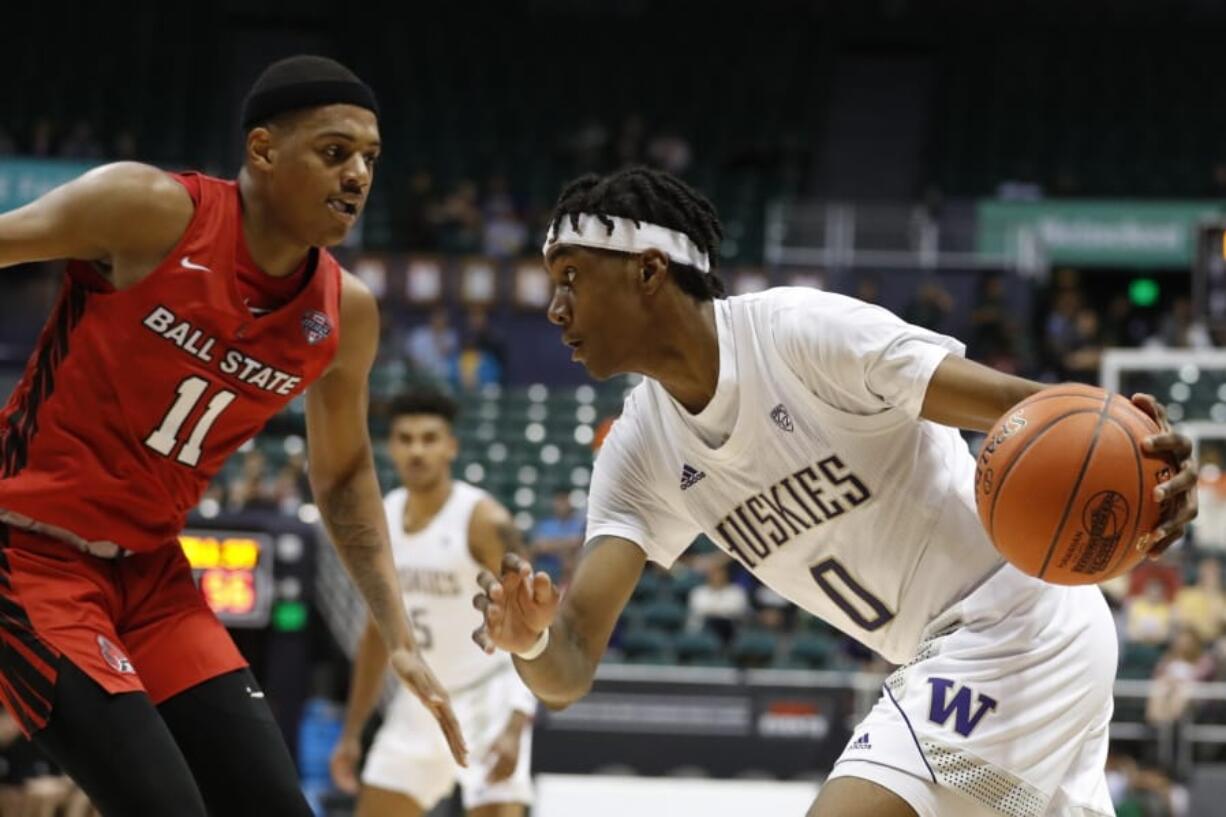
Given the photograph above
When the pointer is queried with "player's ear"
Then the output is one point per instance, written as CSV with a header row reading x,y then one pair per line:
x,y
260,152
653,269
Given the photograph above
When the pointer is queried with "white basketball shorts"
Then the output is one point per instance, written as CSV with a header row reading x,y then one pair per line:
x,y
1004,709
410,754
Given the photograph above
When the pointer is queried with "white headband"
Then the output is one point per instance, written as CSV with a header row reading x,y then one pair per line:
x,y
627,236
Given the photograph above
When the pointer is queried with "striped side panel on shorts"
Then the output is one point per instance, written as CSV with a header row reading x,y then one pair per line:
x,y
27,663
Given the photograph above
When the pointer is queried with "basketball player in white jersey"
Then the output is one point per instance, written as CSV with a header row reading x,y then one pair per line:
x,y
814,438
443,531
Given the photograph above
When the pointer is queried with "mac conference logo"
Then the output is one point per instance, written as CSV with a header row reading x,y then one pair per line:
x,y
315,326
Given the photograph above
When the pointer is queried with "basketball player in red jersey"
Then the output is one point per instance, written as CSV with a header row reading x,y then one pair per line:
x,y
195,309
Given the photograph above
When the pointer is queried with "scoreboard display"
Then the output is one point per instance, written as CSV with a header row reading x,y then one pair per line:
x,y
234,570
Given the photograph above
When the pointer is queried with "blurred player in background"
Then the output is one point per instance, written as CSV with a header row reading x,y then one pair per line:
x,y
814,438
443,532
193,310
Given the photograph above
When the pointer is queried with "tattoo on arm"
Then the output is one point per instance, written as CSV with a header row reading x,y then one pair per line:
x,y
361,547
511,539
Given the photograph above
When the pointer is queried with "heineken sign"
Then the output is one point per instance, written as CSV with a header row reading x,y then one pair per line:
x,y
1094,233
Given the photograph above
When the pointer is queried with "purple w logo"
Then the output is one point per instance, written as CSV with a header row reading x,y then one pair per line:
x,y
959,707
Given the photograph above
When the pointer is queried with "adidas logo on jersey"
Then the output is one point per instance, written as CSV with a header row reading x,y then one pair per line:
x,y
861,742
690,476
781,417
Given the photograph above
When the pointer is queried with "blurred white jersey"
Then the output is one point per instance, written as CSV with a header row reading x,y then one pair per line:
x,y
810,466
438,577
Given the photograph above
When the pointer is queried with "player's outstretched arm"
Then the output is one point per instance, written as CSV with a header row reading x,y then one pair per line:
x,y
369,664
342,474
520,605
127,214
969,395
966,394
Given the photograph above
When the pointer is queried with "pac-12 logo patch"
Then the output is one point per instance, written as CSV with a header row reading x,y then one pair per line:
x,y
114,658
781,417
315,326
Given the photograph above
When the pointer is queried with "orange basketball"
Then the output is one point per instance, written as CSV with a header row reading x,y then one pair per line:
x,y
1063,488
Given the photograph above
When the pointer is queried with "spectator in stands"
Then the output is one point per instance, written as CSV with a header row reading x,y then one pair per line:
x,y
30,785
482,356
670,151
423,213
42,137
214,498
480,334
1115,591
719,604
993,327
251,489
557,538
460,219
1149,615
505,233
1217,179
1060,326
123,146
868,289
1181,328
773,611
1081,356
628,151
286,489
588,146
1185,663
1202,606
432,347
81,142
931,306
1143,792
1164,571
1211,496
1123,327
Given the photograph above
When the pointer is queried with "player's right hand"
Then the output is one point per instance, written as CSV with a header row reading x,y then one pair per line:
x,y
344,764
516,607
417,676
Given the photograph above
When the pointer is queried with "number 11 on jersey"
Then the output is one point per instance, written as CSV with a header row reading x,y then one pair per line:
x,y
166,436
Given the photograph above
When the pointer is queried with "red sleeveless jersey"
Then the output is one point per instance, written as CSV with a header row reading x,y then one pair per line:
x,y
134,399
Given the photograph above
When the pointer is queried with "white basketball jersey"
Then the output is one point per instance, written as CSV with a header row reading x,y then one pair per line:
x,y
827,486
438,577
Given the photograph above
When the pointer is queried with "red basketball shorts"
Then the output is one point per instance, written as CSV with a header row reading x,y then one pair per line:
x,y
134,624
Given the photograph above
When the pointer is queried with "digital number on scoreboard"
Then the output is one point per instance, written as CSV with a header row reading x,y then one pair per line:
x,y
234,572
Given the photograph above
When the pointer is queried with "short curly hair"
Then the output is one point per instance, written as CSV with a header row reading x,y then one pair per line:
x,y
645,195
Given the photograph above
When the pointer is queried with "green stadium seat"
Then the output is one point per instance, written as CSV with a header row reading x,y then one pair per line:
x,y
665,614
632,614
649,586
1139,660
701,648
644,645
684,581
753,648
811,651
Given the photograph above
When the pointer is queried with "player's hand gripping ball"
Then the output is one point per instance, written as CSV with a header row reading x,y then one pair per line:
x,y
1076,486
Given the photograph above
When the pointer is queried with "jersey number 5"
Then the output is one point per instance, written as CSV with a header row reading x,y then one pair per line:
x,y
166,436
